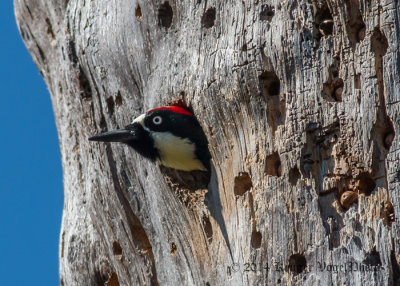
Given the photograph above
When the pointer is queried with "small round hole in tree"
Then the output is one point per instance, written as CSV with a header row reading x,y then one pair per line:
x,y
269,83
207,228
267,13
297,263
208,18
165,15
242,184
116,247
173,248
326,27
256,239
118,99
273,165
294,175
138,13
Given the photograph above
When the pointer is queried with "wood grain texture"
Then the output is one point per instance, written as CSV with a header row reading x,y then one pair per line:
x,y
300,103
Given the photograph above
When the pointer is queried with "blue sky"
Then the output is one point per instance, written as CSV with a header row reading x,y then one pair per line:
x,y
31,192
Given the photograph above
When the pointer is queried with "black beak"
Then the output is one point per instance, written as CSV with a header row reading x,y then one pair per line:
x,y
122,135
134,135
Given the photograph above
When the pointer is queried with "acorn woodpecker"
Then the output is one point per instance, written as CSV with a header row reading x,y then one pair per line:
x,y
170,135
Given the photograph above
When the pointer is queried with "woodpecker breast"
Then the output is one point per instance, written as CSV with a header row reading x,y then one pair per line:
x,y
176,152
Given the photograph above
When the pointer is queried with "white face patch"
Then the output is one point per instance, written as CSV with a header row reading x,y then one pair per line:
x,y
140,120
176,152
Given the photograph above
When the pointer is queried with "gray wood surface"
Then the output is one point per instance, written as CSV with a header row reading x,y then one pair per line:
x,y
300,103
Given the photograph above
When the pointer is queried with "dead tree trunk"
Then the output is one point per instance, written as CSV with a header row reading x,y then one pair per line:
x,y
300,102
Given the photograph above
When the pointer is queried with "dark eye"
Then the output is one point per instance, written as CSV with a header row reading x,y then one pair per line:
x,y
157,120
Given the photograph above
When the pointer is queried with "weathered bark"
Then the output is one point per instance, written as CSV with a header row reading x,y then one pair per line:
x,y
301,119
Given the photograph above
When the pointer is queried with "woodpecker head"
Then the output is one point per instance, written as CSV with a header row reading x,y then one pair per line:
x,y
169,135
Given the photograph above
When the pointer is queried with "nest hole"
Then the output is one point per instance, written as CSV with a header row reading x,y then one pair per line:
x,y
193,180
189,187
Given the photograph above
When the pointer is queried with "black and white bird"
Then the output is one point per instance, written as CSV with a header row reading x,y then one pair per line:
x,y
170,135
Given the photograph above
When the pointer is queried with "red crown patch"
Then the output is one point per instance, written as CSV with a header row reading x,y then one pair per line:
x,y
175,109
